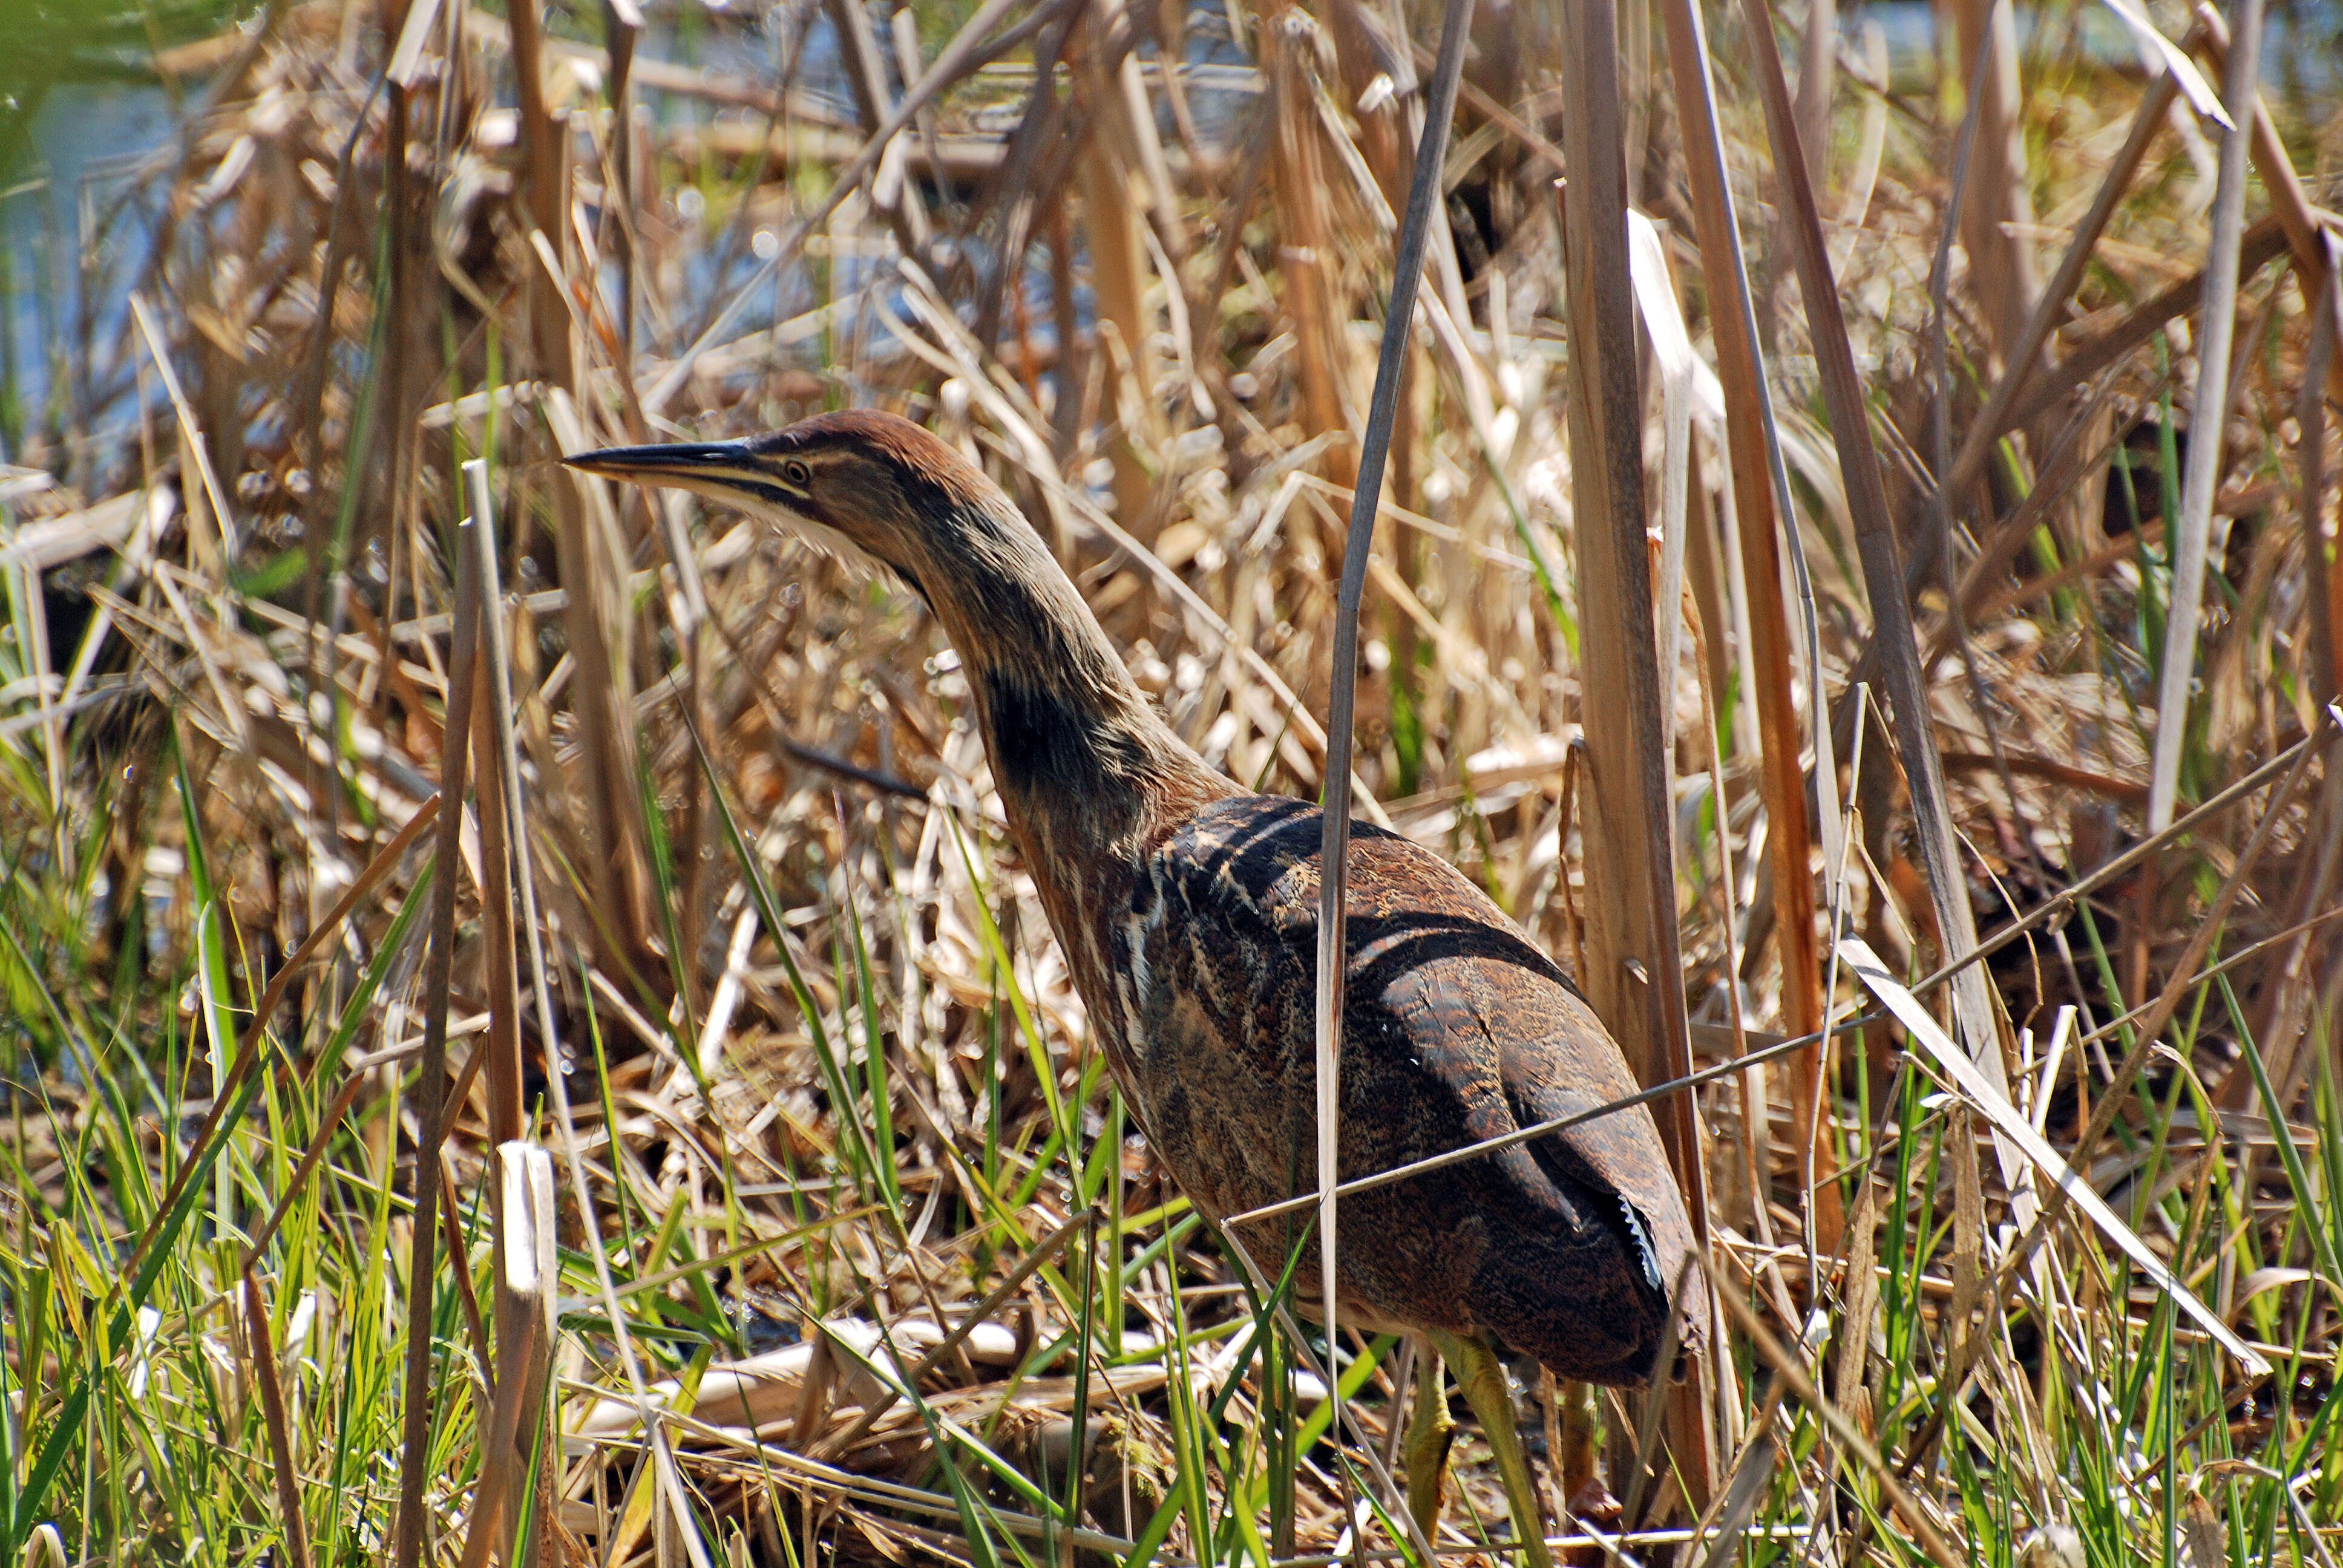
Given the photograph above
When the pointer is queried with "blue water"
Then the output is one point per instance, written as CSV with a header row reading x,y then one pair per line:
x,y
87,141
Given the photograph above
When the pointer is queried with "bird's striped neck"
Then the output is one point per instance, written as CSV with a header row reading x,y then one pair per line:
x,y
1089,776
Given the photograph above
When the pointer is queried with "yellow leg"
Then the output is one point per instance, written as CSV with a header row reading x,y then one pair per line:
x,y
1484,1387
1430,1429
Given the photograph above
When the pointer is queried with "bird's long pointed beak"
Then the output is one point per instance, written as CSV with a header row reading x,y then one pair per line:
x,y
674,462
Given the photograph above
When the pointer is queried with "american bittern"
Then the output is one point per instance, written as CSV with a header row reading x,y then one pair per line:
x,y
1188,910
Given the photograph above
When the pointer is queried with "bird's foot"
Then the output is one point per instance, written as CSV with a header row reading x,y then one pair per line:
x,y
1431,1430
1484,1378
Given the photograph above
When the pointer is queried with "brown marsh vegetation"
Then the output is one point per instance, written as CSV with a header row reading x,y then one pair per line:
x,y
782,1213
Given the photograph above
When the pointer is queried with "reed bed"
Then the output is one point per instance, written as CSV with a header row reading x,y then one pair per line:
x,y
773,1206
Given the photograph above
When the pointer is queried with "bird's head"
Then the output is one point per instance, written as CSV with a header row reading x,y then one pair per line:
x,y
862,484
871,486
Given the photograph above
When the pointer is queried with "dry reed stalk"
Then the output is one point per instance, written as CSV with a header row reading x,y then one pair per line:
x,y
1817,71
1969,1208
1997,207
1719,598
2322,540
2209,425
590,561
1855,206
1365,54
1333,908
662,1471
431,1079
1449,272
263,1349
1035,169
459,1268
1761,507
1882,567
546,173
501,977
1634,961
397,330
1362,51
1118,268
526,1284
622,23
619,876
1309,261
1755,1151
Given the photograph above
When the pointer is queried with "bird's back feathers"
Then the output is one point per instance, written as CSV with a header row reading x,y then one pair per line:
x,y
1456,1029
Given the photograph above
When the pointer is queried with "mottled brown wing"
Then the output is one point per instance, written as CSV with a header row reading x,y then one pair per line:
x,y
1456,1029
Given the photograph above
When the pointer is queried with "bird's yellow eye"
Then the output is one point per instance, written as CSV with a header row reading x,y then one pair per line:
x,y
797,473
